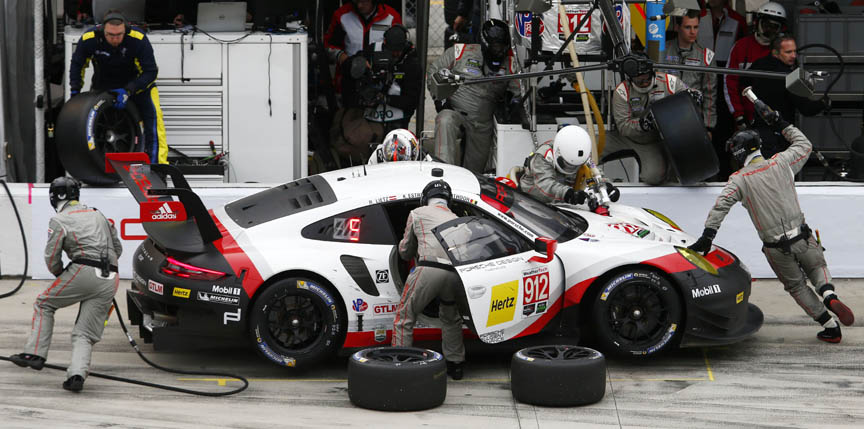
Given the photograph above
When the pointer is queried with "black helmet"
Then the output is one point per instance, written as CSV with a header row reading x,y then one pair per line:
x,y
64,189
436,189
742,144
495,40
397,39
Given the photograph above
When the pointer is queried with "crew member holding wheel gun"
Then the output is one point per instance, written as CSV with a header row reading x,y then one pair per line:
x,y
124,65
766,188
90,279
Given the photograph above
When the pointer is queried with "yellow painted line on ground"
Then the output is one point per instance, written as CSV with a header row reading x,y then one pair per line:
x,y
223,381
708,365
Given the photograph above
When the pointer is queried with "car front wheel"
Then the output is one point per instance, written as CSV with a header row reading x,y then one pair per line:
x,y
295,322
636,313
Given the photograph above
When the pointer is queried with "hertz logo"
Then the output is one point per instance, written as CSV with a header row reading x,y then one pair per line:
x,y
502,305
181,292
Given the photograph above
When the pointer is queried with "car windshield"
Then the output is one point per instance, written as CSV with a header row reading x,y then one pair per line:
x,y
543,220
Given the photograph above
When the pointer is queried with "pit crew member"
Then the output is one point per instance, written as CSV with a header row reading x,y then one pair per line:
x,y
686,50
551,171
631,109
432,277
468,113
767,190
399,145
124,65
91,242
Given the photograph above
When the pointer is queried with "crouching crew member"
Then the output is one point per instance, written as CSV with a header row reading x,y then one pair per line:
x,y
123,64
433,277
551,172
91,279
766,188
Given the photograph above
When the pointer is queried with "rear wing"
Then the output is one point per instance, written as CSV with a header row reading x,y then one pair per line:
x,y
147,183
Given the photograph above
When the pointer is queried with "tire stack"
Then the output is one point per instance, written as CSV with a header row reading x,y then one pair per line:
x,y
397,379
558,376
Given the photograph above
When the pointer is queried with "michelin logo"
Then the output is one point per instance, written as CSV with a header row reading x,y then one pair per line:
x,y
218,299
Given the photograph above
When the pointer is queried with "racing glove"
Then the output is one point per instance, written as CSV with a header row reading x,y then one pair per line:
x,y
121,97
613,191
646,122
771,117
703,244
695,95
575,197
740,123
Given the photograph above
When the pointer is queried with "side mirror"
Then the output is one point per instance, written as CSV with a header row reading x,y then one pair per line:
x,y
546,247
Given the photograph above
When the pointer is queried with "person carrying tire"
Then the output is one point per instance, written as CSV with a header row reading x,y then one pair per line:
x,y
124,65
766,188
433,277
91,279
552,170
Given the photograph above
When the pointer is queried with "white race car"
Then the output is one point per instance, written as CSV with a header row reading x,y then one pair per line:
x,y
309,267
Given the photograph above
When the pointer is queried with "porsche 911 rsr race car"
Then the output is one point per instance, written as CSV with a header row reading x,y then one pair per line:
x,y
306,268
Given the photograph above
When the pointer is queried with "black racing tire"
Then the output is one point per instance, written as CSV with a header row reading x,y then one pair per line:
x,y
683,133
296,322
558,375
397,379
636,313
88,127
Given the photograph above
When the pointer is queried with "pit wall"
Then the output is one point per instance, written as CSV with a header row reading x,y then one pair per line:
x,y
833,209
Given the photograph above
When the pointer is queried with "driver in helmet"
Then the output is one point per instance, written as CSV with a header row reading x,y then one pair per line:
x,y
631,106
433,277
399,145
766,190
468,113
551,171
770,20
91,242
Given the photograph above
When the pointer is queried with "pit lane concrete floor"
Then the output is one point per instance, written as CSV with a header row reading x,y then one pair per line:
x,y
781,377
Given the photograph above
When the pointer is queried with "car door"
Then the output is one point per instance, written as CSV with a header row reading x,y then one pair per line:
x,y
510,292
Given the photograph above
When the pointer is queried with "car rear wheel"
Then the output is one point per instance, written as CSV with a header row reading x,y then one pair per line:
x,y
636,313
297,321
558,375
397,379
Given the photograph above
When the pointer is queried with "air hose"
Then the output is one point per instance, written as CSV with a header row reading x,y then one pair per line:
x,y
852,150
23,241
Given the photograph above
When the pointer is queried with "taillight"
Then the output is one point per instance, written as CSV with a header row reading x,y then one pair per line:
x,y
173,267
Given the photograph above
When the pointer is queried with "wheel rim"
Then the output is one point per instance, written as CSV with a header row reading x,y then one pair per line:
x,y
559,353
638,314
114,131
396,355
295,322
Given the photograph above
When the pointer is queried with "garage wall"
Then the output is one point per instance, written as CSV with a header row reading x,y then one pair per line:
x,y
833,210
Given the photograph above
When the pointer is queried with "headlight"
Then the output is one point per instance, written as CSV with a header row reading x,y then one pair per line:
x,y
663,217
697,259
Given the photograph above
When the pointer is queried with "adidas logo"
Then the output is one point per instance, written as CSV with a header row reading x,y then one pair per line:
x,y
164,213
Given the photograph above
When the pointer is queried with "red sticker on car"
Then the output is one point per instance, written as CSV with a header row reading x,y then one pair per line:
x,y
162,211
535,288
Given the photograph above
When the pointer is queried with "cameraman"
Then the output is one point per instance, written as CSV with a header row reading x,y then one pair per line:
x,y
381,87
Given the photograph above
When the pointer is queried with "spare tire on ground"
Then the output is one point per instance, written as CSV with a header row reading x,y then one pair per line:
x,y
397,379
88,127
558,375
683,133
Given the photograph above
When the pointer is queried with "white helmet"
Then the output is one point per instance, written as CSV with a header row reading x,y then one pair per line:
x,y
400,145
572,147
772,10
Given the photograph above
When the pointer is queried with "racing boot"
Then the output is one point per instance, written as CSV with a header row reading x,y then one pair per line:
x,y
454,370
830,335
26,359
74,383
833,303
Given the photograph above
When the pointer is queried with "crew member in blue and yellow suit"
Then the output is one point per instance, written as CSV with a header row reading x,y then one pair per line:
x,y
124,65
